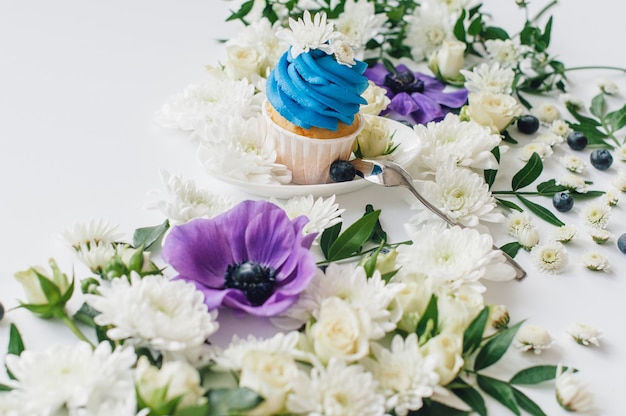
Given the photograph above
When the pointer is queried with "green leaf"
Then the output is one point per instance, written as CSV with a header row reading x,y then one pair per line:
x,y
459,28
616,119
353,238
147,236
534,375
511,248
199,410
509,204
594,136
16,344
223,401
4,387
473,335
598,105
475,27
370,263
432,408
550,187
528,174
469,395
500,391
492,32
85,315
427,325
378,234
329,235
586,195
495,348
526,403
243,11
541,212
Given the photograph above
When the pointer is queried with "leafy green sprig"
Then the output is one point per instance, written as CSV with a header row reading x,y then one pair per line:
x,y
601,128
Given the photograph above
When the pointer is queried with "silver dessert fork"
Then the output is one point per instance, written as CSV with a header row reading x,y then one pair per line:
x,y
386,173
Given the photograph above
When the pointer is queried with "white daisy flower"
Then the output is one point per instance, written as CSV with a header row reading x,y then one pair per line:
x,y
560,127
75,379
338,389
527,237
611,197
619,181
570,100
96,256
573,183
570,393
517,220
184,201
547,113
359,22
584,334
564,234
154,312
596,261
429,26
596,214
239,150
599,235
91,232
533,338
573,163
461,194
607,86
550,138
490,78
404,375
322,213
507,53
466,143
542,149
306,34
620,152
550,257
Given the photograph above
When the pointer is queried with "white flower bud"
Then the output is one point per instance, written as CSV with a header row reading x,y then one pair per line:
x,y
533,338
570,393
448,61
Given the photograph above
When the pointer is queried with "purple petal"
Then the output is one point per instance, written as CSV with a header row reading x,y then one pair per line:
x,y
275,305
377,74
213,298
270,238
430,83
301,275
429,109
453,99
403,104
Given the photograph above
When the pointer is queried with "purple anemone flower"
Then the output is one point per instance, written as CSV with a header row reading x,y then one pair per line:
x,y
252,258
414,96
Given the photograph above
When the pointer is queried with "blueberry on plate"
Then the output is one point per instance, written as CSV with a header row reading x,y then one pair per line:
x,y
601,159
528,124
621,243
342,171
562,201
577,140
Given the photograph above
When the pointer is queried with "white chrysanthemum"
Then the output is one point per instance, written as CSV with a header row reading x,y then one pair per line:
x,y
573,183
607,86
517,220
461,194
542,149
596,214
466,143
154,312
184,201
570,393
306,34
91,232
564,234
533,338
527,237
404,376
351,284
452,258
359,22
322,213
596,261
239,149
11,404
550,257
620,152
546,112
75,378
560,128
96,256
611,197
619,181
573,163
599,235
232,358
572,101
199,105
507,53
338,389
490,78
429,26
584,334
550,138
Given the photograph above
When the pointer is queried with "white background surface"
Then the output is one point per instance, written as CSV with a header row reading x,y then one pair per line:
x,y
80,82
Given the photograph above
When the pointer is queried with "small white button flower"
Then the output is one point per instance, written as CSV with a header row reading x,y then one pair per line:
x,y
517,220
573,183
570,393
550,257
619,181
305,34
550,139
547,113
528,237
533,338
564,234
596,214
611,197
607,86
560,127
543,150
573,163
584,334
571,101
599,235
596,261
620,152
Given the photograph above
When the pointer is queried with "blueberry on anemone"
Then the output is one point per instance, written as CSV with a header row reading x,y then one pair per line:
x,y
252,258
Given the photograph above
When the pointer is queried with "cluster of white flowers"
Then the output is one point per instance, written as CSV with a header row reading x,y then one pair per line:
x,y
429,26
520,226
322,213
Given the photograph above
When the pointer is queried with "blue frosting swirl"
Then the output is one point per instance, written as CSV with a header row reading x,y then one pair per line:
x,y
314,90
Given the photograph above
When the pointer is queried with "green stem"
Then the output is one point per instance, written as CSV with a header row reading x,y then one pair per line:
x,y
542,11
578,68
363,253
72,326
521,193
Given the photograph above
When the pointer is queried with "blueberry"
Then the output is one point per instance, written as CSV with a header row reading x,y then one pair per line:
x,y
562,201
342,171
577,140
528,124
2,310
621,243
601,159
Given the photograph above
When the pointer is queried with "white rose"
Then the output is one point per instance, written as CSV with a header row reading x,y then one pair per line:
x,y
495,111
447,349
270,376
413,299
376,98
448,61
243,62
341,331
527,237
457,311
374,139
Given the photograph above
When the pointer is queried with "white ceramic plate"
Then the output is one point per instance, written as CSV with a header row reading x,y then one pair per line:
x,y
408,149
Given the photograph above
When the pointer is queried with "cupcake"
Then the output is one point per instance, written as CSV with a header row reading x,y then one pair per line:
x,y
313,99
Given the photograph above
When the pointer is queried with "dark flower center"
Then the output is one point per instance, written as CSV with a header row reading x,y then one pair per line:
x,y
253,279
404,81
